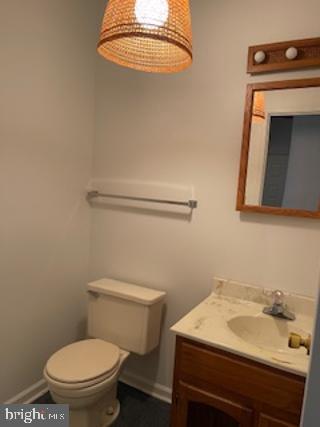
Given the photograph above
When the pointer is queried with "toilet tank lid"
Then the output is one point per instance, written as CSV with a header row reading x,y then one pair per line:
x,y
126,291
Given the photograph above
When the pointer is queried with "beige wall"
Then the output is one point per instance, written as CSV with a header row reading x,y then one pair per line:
x,y
187,129
46,131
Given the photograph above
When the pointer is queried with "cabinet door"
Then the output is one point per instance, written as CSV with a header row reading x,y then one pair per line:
x,y
195,407
267,421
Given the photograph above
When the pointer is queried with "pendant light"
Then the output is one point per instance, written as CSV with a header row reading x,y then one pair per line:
x,y
259,109
148,35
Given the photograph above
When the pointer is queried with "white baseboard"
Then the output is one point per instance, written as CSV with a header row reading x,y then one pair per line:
x,y
153,389
30,394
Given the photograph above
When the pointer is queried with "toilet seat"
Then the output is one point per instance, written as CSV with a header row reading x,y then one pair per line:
x,y
81,385
83,364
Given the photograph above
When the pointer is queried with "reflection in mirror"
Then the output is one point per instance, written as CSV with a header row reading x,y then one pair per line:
x,y
284,150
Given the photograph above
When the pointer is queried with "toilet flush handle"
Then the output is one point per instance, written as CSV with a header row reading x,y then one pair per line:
x,y
93,294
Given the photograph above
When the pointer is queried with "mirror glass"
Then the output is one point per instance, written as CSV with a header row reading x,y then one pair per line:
x,y
284,150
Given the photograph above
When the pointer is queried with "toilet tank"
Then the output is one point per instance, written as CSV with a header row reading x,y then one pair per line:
x,y
124,314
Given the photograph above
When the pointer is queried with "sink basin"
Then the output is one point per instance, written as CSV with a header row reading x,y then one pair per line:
x,y
268,333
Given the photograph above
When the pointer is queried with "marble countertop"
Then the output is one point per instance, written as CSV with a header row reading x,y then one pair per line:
x,y
208,323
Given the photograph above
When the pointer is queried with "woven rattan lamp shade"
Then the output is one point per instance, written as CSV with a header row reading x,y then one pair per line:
x,y
259,109
148,35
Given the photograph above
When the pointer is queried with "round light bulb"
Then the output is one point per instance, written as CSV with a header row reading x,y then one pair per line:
x,y
291,53
152,13
259,57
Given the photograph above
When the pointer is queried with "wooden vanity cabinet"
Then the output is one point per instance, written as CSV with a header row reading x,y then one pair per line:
x,y
214,388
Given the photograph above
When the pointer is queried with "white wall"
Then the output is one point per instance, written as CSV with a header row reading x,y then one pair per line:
x,y
311,409
186,129
46,131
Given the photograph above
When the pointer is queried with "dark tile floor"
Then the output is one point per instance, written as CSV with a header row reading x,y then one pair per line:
x,y
137,409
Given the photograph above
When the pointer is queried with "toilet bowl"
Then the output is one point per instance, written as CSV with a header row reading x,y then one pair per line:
x,y
122,318
84,375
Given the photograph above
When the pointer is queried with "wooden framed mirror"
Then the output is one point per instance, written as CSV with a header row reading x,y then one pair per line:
x,y
280,156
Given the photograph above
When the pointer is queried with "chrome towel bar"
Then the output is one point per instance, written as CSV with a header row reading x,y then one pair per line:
x,y
192,204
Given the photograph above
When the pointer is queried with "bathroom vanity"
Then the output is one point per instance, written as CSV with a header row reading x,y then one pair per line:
x,y
215,388
232,365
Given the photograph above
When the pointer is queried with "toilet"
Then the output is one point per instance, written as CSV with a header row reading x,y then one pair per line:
x,y
122,318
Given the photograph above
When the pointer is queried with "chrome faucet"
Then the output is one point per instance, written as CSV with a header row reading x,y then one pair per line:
x,y
278,307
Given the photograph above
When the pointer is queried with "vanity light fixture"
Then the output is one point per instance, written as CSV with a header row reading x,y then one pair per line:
x,y
147,35
284,56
